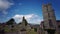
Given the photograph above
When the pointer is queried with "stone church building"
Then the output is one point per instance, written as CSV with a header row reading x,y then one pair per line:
x,y
22,28
49,25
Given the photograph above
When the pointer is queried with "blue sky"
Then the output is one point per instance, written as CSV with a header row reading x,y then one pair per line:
x,y
28,8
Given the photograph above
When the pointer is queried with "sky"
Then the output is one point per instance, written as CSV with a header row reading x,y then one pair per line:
x,y
31,9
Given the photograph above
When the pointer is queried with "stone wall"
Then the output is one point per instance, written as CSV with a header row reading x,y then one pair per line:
x,y
11,33
15,32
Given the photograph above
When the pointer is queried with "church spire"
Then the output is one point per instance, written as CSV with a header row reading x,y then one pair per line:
x,y
23,18
24,21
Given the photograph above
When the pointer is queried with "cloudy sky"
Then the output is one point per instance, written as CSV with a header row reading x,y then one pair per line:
x,y
31,9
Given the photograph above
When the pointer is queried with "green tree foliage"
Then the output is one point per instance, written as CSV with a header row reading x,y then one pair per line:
x,y
26,23
31,31
10,22
35,29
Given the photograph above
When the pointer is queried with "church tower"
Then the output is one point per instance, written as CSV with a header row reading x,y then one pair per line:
x,y
49,18
24,21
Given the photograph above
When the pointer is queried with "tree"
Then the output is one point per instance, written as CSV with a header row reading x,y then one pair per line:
x,y
10,22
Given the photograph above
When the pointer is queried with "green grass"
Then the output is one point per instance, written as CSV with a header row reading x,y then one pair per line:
x,y
31,31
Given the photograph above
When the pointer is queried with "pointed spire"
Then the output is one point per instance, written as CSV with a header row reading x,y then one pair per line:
x,y
23,18
24,21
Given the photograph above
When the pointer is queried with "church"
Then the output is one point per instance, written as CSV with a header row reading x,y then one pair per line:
x,y
10,27
49,25
26,28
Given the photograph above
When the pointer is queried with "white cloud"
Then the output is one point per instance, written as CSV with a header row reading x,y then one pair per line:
x,y
31,18
4,5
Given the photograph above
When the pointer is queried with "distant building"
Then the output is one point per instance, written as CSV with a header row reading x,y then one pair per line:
x,y
10,27
25,27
